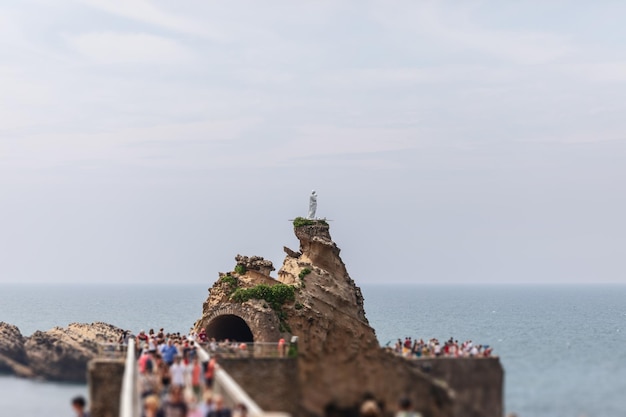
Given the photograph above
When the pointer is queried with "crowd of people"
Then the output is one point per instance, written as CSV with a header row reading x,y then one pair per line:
x,y
451,348
187,344
174,380
369,406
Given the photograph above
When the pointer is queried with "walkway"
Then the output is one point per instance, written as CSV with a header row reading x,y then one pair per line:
x,y
190,393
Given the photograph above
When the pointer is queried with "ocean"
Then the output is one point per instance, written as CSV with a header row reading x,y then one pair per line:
x,y
562,347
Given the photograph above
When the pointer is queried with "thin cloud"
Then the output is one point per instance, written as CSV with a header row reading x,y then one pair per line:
x,y
164,142
459,26
130,48
265,77
604,72
383,78
145,11
327,140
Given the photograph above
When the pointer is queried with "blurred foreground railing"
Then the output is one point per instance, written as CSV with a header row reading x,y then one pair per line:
x,y
232,392
129,399
223,384
431,355
111,350
252,350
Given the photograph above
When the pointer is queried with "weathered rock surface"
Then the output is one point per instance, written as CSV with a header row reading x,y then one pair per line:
x,y
59,354
261,319
12,354
340,359
291,253
255,263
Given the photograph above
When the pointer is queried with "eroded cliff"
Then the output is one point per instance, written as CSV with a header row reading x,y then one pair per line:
x,y
59,354
340,357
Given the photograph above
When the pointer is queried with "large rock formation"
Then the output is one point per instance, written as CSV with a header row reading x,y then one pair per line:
x,y
340,359
59,354
340,356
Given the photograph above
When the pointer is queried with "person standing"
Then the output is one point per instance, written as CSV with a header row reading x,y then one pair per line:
x,y
169,352
79,404
210,372
175,406
177,370
219,410
281,347
207,403
196,377
142,340
240,410
405,409
202,336
151,407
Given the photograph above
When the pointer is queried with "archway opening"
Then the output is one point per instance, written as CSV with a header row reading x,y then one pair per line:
x,y
229,327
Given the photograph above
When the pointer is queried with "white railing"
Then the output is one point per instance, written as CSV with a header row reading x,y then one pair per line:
x,y
111,350
224,384
252,350
232,392
129,397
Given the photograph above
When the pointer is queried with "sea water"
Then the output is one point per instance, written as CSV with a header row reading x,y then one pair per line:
x,y
41,307
562,347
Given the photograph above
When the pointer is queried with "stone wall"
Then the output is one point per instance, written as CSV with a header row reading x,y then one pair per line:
x,y
104,377
271,382
477,383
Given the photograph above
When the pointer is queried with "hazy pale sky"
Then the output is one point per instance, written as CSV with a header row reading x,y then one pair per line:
x,y
470,141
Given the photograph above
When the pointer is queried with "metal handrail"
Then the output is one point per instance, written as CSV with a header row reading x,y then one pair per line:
x,y
232,392
252,350
111,350
129,397
224,384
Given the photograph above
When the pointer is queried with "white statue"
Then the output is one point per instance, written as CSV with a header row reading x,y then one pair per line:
x,y
312,205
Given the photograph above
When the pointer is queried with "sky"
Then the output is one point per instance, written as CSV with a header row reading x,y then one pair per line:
x,y
146,141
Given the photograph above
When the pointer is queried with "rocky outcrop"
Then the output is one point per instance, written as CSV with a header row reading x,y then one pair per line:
x,y
339,357
255,263
219,308
320,265
59,354
248,271
291,253
12,354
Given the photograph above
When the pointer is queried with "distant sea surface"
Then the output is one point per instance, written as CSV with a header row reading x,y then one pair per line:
x,y
563,348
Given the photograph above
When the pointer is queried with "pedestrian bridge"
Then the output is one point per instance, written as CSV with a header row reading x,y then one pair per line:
x,y
130,403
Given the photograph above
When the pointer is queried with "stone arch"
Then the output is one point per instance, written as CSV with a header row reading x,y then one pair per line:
x,y
234,318
231,327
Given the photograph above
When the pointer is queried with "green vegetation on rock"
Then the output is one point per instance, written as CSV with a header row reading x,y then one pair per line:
x,y
301,221
275,295
304,273
231,282
240,269
229,279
